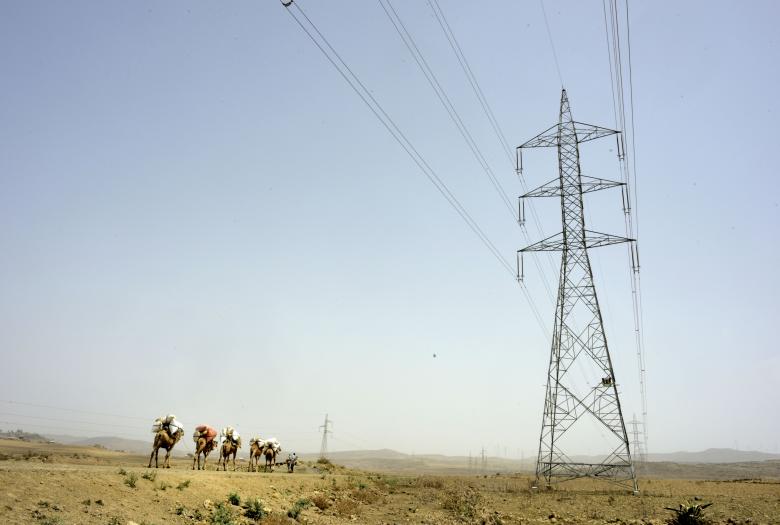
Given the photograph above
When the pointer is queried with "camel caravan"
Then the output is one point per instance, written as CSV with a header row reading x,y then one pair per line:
x,y
168,431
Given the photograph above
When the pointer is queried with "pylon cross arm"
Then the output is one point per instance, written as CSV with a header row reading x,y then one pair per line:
x,y
589,184
552,136
556,243
586,132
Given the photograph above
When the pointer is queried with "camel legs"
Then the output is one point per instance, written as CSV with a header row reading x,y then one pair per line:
x,y
167,463
150,459
234,459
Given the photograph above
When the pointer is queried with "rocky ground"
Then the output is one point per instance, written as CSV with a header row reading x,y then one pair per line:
x,y
52,484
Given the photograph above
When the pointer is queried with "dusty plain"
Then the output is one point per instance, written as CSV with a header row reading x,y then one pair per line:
x,y
51,484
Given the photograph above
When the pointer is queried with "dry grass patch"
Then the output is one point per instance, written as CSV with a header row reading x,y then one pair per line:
x,y
346,507
321,501
430,482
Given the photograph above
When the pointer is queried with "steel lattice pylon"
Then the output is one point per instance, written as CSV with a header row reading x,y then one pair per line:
x,y
578,334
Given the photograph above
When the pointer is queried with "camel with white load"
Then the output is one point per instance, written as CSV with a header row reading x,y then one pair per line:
x,y
167,432
230,445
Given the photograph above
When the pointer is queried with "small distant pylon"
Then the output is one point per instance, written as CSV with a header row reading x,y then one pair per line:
x,y
637,441
325,431
484,460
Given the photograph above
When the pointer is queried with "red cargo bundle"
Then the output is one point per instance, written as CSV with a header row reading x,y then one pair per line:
x,y
207,431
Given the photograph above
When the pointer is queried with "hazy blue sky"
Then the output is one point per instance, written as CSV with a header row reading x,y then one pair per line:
x,y
198,216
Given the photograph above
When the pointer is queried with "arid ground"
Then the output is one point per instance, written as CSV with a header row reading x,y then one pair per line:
x,y
57,484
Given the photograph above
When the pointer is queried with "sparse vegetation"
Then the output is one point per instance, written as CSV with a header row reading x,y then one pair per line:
x,y
151,475
51,520
430,482
321,501
297,507
222,515
346,507
365,495
255,509
131,479
234,499
122,472
163,486
183,485
463,503
689,513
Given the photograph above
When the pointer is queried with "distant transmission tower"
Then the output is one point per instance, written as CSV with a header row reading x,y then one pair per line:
x,y
325,431
578,333
637,441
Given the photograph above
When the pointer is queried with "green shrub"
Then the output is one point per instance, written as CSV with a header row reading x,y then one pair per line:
x,y
131,479
183,485
234,499
255,509
689,513
222,515
296,509
150,475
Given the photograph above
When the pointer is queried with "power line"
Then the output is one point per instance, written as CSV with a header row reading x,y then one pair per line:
x,y
365,95
628,174
52,407
488,111
441,94
378,111
464,64
552,45
445,100
96,423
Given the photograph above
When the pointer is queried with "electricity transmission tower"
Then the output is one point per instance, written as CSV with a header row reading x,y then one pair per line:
x,y
325,431
637,440
578,334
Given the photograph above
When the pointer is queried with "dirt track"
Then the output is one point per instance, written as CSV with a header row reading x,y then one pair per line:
x,y
51,484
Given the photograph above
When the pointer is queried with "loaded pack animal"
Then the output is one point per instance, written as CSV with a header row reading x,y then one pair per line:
x,y
164,439
205,442
270,451
230,446
292,460
256,448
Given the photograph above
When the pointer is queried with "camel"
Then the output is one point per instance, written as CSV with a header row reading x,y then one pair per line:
x,y
162,439
270,456
204,444
256,447
229,447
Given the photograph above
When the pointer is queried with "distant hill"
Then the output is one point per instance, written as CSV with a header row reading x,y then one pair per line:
x,y
387,459
22,435
714,455
133,446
